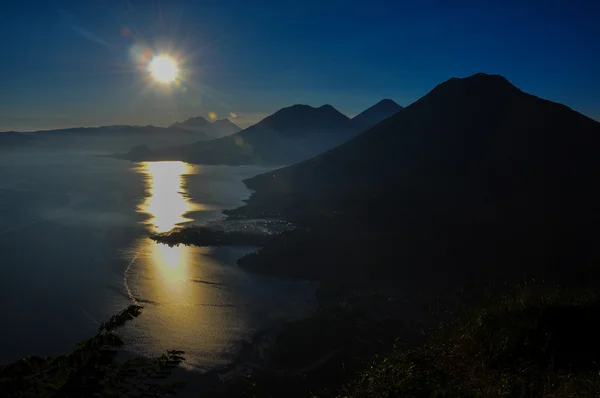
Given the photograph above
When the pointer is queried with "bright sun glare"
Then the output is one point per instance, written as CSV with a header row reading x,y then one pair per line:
x,y
163,69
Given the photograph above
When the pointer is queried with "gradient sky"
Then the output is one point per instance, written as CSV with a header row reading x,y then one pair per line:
x,y
71,63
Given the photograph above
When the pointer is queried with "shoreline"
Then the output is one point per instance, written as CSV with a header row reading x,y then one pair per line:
x,y
354,320
227,232
327,348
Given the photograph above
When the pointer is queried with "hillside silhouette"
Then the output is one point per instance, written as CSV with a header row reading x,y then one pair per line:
x,y
475,178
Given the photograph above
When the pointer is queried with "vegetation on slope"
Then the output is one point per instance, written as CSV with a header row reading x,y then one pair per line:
x,y
537,342
92,369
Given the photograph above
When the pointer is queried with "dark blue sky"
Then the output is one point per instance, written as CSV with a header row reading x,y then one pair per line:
x,y
70,63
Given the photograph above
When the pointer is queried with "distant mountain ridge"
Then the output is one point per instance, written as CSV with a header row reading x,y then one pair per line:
x,y
217,129
122,136
193,122
224,127
377,113
116,128
299,117
291,134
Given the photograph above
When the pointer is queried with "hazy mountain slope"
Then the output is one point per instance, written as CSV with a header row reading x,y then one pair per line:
x,y
289,135
193,123
12,139
216,129
223,127
376,113
103,138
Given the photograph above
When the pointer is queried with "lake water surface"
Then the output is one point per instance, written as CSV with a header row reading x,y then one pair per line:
x,y
74,249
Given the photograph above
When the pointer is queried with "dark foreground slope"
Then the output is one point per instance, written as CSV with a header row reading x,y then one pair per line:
x,y
476,178
289,135
473,188
535,342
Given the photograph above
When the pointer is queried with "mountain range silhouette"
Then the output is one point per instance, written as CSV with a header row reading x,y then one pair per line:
x,y
290,135
475,176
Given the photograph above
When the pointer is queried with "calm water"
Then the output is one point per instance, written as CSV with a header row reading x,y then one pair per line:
x,y
74,249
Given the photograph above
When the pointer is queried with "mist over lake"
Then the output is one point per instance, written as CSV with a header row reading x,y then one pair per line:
x,y
74,231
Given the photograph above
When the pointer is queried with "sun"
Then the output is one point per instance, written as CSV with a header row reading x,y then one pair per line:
x,y
163,69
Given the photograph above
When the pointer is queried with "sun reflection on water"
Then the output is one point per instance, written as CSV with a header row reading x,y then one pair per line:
x,y
192,299
163,276
166,200
167,204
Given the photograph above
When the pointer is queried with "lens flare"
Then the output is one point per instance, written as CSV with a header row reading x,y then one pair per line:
x,y
164,69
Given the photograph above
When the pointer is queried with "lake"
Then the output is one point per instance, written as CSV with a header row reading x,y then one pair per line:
x,y
74,249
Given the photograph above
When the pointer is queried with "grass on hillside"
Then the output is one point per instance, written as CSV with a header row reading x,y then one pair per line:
x,y
535,342
93,369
